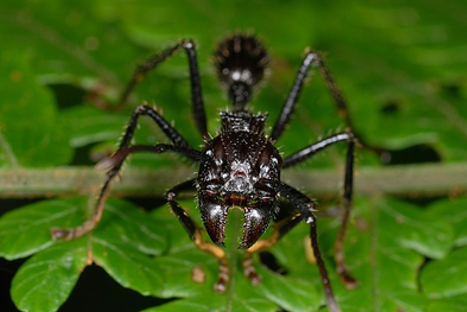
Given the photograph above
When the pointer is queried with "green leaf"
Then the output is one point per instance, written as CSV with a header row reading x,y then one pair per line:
x,y
454,304
446,277
29,123
417,229
64,48
293,293
385,255
195,305
26,231
401,67
381,255
127,266
46,280
281,290
121,244
125,235
89,125
455,213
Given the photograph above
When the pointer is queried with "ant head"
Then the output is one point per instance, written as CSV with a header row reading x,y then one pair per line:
x,y
240,170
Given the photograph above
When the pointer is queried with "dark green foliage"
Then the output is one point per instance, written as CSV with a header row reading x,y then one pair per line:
x,y
402,67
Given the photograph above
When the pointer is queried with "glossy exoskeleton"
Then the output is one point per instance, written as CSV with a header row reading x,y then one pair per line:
x,y
240,167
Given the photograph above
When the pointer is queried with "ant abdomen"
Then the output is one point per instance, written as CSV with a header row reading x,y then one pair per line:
x,y
241,60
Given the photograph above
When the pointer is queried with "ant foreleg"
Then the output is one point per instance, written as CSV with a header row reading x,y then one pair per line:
x,y
196,235
306,207
308,152
314,148
168,130
339,257
115,163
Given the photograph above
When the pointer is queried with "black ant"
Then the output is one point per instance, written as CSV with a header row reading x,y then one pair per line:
x,y
240,167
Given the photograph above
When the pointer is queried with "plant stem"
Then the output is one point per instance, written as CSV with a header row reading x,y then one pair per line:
x,y
428,180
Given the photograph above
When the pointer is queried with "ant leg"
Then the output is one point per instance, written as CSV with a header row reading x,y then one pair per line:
x,y
195,233
294,93
343,109
114,163
311,58
339,257
315,58
334,90
150,64
308,152
87,226
168,130
306,207
118,157
314,148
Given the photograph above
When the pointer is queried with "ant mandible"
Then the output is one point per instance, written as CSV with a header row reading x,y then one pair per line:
x,y
239,167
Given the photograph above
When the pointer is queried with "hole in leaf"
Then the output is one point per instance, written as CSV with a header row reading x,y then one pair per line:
x,y
149,204
420,153
67,95
270,261
82,156
422,202
390,107
90,154
452,89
